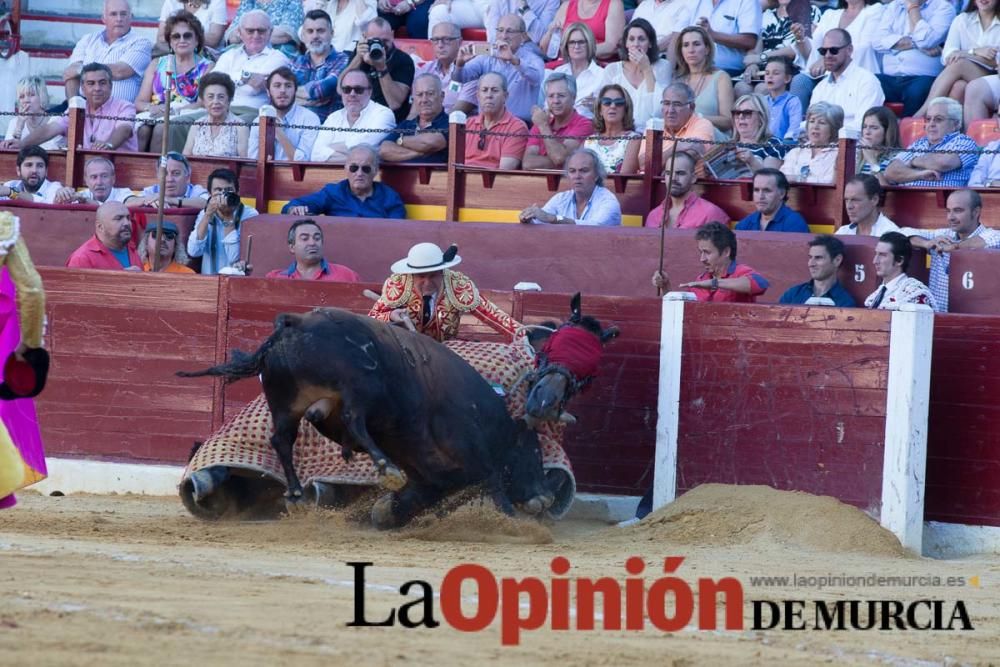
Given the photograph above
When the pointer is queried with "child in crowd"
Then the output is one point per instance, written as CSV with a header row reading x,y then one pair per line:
x,y
785,108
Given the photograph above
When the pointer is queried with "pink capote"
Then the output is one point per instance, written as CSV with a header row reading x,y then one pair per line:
x,y
18,416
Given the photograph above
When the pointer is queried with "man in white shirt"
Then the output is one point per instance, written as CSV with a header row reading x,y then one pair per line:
x,y
734,25
99,175
359,112
862,199
668,18
117,46
587,202
180,191
847,85
290,143
212,16
892,257
33,184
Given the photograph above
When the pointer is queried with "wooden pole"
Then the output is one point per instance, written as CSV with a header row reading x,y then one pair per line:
x,y
666,209
163,167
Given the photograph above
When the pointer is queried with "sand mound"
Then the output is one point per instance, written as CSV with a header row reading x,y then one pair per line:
x,y
725,515
478,522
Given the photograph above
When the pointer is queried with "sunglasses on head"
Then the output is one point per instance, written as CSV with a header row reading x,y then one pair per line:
x,y
742,113
832,50
355,90
365,168
167,234
182,35
613,101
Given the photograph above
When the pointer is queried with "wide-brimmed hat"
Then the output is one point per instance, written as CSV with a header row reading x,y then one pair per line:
x,y
426,258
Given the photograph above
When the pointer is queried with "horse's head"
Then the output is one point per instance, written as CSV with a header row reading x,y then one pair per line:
x,y
566,363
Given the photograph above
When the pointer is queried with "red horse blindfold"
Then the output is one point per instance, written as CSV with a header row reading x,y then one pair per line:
x,y
575,349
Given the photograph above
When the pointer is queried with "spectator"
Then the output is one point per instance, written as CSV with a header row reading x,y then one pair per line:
x,y
816,160
970,51
111,247
33,184
770,192
986,173
173,257
848,85
121,49
906,37
295,127
751,126
879,142
410,13
390,70
733,25
212,17
863,201
687,209
860,19
619,143
682,124
981,98
559,120
317,71
538,15
694,59
285,15
785,109
348,17
917,167
360,112
577,52
605,18
32,101
216,234
460,13
99,175
101,130
425,137
892,258
784,34
964,230
641,72
826,255
514,58
179,192
587,203
447,39
488,150
723,280
668,18
249,64
357,196
220,133
305,243
180,70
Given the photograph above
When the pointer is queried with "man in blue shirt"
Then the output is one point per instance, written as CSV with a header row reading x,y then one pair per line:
x,y
826,254
318,69
423,138
770,190
357,196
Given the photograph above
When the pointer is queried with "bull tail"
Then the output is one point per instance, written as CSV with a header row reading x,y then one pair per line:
x,y
242,365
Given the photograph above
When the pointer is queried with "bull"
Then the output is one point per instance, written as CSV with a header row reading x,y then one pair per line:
x,y
430,423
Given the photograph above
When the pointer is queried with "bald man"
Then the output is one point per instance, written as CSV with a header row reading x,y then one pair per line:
x,y
111,248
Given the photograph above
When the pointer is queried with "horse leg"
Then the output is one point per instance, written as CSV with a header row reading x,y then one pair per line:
x,y
286,429
394,510
390,476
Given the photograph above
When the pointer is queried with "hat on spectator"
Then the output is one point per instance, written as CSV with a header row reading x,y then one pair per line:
x,y
167,227
426,258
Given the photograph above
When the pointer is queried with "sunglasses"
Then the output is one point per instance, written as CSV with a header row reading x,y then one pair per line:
x,y
832,50
576,42
482,141
365,168
613,101
167,234
743,113
355,90
257,31
182,35
444,40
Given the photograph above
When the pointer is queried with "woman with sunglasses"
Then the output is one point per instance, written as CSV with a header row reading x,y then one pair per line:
x,y
186,64
578,50
221,133
211,14
605,18
814,161
640,72
751,125
619,143
694,64
879,142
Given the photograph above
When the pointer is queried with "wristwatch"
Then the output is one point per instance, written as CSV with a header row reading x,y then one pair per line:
x,y
715,284
384,72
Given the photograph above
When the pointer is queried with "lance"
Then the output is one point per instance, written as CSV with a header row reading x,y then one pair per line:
x,y
666,209
163,165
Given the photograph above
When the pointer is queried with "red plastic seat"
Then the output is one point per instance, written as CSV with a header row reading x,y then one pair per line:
x,y
984,131
911,129
474,34
896,108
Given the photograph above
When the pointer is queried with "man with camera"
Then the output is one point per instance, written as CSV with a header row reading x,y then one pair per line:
x,y
216,234
389,70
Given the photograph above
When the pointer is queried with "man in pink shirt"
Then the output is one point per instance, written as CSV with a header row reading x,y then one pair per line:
x,y
687,210
560,119
305,243
111,247
99,133
490,150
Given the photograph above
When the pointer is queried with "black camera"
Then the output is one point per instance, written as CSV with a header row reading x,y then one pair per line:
x,y
376,49
232,199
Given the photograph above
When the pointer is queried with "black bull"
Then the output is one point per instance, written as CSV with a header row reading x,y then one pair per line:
x,y
431,424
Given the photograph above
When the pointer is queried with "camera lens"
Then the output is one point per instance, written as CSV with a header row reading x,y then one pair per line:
x,y
232,199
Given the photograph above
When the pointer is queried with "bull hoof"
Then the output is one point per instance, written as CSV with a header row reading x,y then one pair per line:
x,y
295,503
382,516
392,478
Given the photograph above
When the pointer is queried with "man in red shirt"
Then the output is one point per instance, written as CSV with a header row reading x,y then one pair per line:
x,y
111,247
492,150
305,243
723,279
560,121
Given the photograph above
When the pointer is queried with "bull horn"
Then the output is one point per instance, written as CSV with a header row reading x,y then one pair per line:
x,y
370,294
535,327
567,418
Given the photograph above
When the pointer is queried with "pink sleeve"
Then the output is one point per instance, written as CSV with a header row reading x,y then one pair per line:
x,y
536,138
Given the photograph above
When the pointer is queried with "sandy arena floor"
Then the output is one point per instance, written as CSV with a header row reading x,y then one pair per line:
x,y
88,580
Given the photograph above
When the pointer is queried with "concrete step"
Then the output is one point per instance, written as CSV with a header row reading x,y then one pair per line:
x,y
142,10
42,34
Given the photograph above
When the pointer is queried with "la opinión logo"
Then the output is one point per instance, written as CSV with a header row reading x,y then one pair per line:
x,y
667,603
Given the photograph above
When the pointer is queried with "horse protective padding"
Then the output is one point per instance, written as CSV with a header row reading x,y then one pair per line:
x,y
244,443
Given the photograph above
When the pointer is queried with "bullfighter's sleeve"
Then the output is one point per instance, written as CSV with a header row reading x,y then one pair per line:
x,y
30,295
491,314
392,297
